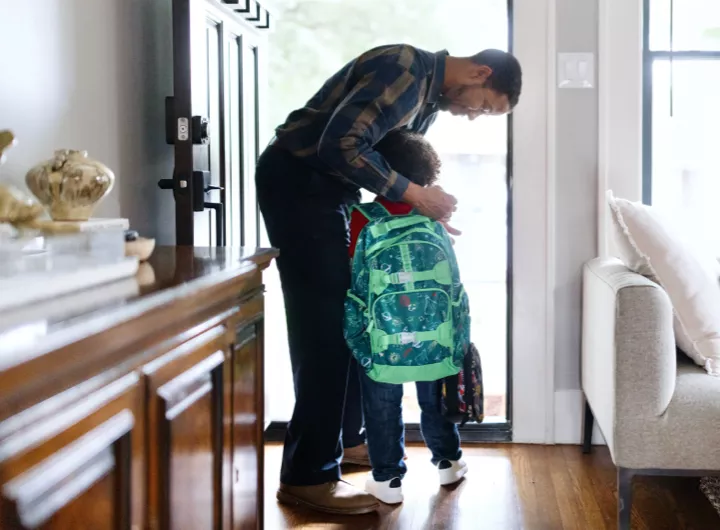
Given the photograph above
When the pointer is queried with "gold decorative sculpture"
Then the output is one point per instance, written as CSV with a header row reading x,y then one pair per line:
x,y
16,208
70,184
7,140
20,210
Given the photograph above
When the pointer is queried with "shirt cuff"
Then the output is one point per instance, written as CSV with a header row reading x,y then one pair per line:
x,y
397,190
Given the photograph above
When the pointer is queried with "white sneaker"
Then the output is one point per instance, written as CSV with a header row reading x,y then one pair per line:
x,y
451,471
389,491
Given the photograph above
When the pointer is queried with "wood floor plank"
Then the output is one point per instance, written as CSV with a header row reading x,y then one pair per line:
x,y
566,494
547,514
603,477
583,487
510,487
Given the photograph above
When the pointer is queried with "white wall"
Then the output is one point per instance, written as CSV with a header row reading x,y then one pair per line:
x,y
555,218
92,75
599,147
576,146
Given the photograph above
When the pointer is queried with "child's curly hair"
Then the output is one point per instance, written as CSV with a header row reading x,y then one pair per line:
x,y
411,155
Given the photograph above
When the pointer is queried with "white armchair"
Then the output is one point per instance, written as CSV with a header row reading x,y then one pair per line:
x,y
658,412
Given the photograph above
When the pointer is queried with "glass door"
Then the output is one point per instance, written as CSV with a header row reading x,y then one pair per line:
x,y
314,39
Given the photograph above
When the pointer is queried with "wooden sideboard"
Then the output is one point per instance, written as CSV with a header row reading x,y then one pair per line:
x,y
138,404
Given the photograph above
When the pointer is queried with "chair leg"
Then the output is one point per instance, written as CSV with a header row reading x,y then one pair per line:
x,y
588,429
624,480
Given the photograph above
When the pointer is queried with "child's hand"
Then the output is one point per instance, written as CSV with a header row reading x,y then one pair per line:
x,y
450,230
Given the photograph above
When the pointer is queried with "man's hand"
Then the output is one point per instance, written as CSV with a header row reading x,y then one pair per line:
x,y
431,201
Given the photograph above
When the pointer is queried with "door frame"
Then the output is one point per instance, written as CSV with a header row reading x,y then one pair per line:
x,y
534,224
182,102
534,168
531,390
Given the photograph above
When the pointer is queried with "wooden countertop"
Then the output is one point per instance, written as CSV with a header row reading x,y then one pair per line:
x,y
171,280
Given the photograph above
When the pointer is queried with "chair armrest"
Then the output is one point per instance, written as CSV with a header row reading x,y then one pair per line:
x,y
629,360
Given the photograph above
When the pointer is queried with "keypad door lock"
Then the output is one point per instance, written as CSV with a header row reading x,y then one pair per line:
x,y
196,129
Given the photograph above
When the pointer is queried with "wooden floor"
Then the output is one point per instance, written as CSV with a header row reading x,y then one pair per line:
x,y
511,487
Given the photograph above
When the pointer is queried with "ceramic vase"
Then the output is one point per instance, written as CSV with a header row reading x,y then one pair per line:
x,y
70,185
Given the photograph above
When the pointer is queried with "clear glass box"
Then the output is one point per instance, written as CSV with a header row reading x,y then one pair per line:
x,y
22,254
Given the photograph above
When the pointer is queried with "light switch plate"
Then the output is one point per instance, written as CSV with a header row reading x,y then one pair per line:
x,y
576,70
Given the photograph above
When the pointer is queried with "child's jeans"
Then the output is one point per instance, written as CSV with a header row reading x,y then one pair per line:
x,y
385,431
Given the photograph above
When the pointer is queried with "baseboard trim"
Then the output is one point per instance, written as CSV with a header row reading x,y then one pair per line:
x,y
470,433
568,420
569,410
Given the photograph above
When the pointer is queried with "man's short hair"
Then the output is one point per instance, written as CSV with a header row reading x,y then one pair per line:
x,y
506,77
411,155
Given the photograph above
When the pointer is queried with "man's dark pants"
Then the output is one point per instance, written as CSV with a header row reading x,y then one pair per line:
x,y
307,218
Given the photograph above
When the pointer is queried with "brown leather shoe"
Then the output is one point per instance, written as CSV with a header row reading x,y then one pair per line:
x,y
357,456
334,497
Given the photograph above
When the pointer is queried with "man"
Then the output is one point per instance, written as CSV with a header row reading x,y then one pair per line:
x,y
306,180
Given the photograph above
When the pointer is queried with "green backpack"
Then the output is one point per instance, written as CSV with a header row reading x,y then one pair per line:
x,y
406,312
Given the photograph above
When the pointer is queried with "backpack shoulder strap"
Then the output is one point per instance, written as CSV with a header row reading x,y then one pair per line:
x,y
372,210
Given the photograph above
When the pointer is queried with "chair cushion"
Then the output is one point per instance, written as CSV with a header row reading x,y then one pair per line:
x,y
652,245
685,436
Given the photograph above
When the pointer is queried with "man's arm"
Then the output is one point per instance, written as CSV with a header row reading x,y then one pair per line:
x,y
386,96
382,99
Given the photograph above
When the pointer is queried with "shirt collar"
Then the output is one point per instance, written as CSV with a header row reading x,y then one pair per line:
x,y
438,76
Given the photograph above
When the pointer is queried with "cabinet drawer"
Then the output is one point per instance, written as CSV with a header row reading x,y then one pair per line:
x,y
247,422
81,468
185,428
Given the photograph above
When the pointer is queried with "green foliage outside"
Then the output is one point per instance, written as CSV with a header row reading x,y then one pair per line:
x,y
314,38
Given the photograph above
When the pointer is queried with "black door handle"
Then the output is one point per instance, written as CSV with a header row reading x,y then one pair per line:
x,y
219,221
200,184
166,184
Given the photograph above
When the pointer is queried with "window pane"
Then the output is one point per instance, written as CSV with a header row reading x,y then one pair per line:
x,y
249,91
685,153
696,25
234,174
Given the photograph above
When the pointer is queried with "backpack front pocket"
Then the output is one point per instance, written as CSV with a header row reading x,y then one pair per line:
x,y
411,327
461,324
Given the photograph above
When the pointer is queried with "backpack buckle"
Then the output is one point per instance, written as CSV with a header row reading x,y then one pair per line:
x,y
402,277
379,280
406,337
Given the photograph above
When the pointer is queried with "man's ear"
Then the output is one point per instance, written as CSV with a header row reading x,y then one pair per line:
x,y
478,73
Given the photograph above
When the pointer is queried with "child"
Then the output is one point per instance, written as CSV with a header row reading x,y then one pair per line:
x,y
412,156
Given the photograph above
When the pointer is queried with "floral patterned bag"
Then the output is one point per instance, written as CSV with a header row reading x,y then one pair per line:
x,y
462,395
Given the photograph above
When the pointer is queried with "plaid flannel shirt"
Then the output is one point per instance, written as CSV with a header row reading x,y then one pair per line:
x,y
386,88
